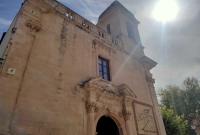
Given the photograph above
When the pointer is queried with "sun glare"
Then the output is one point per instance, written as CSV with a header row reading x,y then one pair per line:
x,y
165,11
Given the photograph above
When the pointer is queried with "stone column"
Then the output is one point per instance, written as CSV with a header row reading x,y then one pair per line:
x,y
91,109
127,115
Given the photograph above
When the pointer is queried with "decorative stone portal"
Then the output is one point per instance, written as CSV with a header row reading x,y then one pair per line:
x,y
109,107
106,126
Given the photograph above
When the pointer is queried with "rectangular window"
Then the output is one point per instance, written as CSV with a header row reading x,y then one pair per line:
x,y
104,70
108,29
130,30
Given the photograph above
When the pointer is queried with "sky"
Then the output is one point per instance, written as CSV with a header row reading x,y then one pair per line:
x,y
175,46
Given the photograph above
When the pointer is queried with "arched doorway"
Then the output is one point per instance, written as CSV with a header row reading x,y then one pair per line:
x,y
106,126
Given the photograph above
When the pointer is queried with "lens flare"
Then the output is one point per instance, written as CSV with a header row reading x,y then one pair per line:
x,y
165,11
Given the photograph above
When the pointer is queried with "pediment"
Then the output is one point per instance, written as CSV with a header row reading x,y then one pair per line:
x,y
108,87
103,85
125,90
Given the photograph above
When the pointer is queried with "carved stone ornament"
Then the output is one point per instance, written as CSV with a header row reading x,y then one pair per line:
x,y
126,91
145,120
91,107
126,114
150,79
34,25
109,88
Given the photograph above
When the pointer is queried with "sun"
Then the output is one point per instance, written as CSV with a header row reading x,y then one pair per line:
x,y
165,11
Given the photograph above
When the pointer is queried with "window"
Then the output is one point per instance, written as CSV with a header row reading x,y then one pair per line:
x,y
85,24
108,29
101,34
130,30
104,70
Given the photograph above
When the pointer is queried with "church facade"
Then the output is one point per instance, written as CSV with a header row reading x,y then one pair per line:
x,y
62,75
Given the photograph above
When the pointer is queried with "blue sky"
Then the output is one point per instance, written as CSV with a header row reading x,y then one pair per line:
x,y
90,9
175,46
8,9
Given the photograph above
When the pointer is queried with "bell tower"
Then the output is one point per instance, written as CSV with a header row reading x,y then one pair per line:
x,y
120,23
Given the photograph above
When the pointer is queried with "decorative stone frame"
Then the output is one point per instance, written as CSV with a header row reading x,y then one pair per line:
x,y
135,116
105,99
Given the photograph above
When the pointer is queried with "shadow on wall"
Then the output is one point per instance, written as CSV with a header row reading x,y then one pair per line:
x,y
2,37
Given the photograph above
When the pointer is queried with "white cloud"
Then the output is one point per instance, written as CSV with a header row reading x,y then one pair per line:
x,y
4,22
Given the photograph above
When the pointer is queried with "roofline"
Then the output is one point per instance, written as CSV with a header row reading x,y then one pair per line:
x,y
117,3
148,61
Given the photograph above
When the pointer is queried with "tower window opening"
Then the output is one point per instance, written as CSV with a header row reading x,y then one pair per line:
x,y
108,29
130,30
